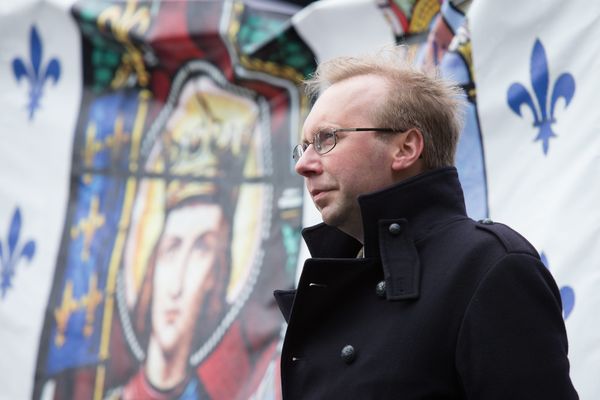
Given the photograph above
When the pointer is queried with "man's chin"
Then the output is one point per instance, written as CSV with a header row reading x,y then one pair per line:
x,y
340,221
330,217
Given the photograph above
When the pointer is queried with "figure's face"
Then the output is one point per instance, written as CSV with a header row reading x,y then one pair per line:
x,y
192,247
359,163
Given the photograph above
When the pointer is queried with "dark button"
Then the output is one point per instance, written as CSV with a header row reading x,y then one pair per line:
x,y
486,221
395,228
348,354
380,289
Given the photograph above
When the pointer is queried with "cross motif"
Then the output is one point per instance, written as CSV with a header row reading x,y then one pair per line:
x,y
62,314
92,147
116,141
69,304
90,302
87,227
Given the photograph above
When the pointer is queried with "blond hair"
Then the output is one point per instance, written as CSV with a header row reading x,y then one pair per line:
x,y
415,98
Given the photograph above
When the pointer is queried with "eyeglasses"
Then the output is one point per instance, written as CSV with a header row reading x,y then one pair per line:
x,y
325,140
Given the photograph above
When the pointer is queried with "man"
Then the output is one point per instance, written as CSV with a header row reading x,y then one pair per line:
x,y
405,296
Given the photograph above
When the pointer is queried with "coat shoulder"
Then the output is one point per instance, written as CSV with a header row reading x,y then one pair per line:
x,y
508,238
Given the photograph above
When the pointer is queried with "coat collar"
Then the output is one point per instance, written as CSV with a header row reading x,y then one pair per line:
x,y
424,201
393,220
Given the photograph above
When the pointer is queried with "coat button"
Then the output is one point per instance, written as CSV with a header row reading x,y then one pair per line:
x,y
486,221
395,228
348,354
380,289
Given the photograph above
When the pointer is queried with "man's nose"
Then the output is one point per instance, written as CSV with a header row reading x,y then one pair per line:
x,y
309,163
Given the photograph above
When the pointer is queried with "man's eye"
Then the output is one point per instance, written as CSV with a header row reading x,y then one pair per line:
x,y
326,137
326,134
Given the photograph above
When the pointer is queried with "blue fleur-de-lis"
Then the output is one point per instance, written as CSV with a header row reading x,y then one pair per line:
x,y
567,294
36,73
518,95
12,252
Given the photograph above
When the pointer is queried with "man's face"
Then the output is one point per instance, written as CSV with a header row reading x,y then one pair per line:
x,y
193,245
359,163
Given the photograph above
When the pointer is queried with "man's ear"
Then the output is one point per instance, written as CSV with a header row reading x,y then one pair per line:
x,y
408,148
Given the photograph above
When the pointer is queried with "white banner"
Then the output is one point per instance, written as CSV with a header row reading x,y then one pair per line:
x,y
529,157
40,90
537,88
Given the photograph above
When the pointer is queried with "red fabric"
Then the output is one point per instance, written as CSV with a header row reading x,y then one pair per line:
x,y
85,381
170,37
230,356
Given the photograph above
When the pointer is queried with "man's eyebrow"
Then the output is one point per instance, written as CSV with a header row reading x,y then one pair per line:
x,y
318,129
311,136
313,132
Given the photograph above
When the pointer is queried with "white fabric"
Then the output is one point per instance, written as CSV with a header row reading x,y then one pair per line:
x,y
552,198
35,160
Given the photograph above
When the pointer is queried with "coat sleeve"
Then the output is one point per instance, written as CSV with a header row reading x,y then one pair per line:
x,y
512,343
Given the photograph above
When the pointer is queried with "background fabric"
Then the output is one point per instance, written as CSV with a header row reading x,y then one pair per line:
x,y
120,117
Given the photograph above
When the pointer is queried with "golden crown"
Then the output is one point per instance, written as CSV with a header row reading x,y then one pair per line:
x,y
206,141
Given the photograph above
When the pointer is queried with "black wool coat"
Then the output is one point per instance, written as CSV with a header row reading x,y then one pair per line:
x,y
440,307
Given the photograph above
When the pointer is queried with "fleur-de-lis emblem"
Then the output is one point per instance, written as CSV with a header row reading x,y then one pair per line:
x,y
567,294
35,72
11,252
126,21
518,95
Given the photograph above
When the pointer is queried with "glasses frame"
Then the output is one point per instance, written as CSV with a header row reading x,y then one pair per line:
x,y
299,149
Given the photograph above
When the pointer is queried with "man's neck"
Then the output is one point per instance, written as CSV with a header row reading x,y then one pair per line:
x,y
354,229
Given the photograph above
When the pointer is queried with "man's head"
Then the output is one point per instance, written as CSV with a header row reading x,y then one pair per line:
x,y
380,91
413,99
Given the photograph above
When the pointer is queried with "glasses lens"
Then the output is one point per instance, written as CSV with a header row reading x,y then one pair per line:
x,y
325,140
297,152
